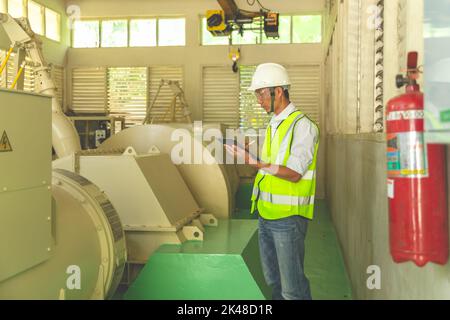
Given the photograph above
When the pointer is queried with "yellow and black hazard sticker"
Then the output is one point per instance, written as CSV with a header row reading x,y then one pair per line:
x,y
5,145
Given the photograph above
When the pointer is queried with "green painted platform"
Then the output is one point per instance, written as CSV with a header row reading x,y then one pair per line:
x,y
226,264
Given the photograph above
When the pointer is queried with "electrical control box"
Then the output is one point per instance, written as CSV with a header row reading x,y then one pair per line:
x,y
25,183
93,130
271,23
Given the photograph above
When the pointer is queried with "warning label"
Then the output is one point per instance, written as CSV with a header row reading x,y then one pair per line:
x,y
5,145
406,155
393,155
390,188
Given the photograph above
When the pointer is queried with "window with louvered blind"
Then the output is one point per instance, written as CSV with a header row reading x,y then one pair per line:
x,y
251,115
305,89
89,90
227,100
220,96
29,77
3,75
160,106
127,93
58,76
56,73
10,73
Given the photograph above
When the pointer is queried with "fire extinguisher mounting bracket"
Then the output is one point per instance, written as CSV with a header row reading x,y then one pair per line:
x,y
401,81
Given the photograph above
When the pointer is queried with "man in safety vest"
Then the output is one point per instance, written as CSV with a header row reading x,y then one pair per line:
x,y
284,188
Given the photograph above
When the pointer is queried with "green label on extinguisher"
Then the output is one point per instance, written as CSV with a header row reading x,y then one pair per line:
x,y
445,116
393,165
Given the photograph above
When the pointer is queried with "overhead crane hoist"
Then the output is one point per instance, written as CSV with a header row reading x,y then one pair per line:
x,y
221,23
230,18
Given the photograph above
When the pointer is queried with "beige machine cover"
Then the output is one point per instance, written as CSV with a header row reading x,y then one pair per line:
x,y
152,199
213,185
51,223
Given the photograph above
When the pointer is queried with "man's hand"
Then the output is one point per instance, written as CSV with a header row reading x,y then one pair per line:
x,y
276,170
243,153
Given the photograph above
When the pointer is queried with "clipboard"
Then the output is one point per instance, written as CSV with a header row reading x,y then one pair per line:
x,y
232,142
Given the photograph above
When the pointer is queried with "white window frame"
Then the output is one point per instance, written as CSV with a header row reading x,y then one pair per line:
x,y
143,19
58,24
127,32
24,7
3,6
321,27
42,13
170,18
157,18
99,34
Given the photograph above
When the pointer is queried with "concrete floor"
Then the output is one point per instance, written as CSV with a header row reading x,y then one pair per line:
x,y
324,263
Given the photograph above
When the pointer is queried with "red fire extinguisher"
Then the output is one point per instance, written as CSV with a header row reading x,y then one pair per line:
x,y
418,218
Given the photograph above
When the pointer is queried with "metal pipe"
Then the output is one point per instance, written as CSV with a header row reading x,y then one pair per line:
x,y
2,67
358,94
19,73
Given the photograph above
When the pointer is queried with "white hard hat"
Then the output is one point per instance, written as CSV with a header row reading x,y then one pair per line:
x,y
269,75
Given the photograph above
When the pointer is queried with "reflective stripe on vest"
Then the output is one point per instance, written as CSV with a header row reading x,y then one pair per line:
x,y
285,200
309,175
277,198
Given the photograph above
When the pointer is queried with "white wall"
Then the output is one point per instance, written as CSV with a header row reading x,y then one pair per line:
x,y
356,185
357,197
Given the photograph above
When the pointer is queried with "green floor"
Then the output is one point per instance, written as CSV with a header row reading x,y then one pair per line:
x,y
324,264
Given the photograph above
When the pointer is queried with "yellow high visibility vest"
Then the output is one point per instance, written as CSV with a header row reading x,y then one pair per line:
x,y
277,198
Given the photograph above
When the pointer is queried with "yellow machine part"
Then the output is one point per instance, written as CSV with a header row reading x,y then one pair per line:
x,y
218,17
88,253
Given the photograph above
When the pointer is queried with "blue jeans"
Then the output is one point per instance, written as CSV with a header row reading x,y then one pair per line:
x,y
282,250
